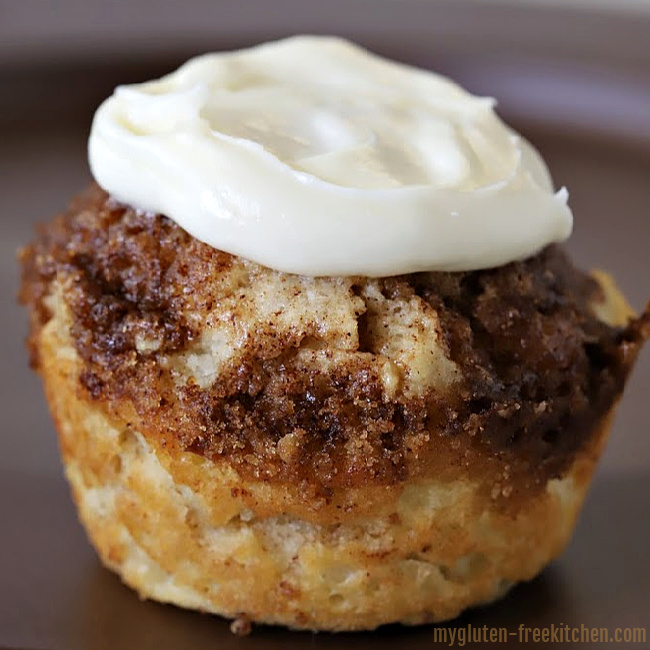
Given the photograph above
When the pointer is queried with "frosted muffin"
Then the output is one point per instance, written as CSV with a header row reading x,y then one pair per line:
x,y
316,444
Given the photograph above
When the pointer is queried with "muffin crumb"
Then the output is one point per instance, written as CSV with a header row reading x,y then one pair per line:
x,y
241,626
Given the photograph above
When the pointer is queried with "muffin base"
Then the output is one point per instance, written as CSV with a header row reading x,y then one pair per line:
x,y
181,529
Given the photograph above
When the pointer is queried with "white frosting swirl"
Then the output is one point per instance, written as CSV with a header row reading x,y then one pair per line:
x,y
312,156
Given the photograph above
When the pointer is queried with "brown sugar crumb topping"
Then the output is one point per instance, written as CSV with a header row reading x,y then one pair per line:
x,y
303,397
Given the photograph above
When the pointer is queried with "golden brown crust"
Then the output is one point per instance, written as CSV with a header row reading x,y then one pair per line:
x,y
306,452
181,529
330,382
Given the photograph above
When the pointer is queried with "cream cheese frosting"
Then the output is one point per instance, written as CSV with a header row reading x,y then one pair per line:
x,y
313,156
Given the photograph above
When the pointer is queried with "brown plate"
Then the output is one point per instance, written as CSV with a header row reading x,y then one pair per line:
x,y
576,82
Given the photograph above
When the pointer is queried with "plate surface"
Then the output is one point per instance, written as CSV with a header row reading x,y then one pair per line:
x,y
581,99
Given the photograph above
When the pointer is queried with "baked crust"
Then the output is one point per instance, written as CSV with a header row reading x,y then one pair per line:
x,y
182,529
331,453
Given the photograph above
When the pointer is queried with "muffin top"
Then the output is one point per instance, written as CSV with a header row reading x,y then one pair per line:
x,y
332,382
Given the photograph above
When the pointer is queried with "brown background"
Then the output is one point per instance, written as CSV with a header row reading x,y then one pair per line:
x,y
575,81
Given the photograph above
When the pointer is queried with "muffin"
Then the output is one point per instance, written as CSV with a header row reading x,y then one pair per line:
x,y
321,426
